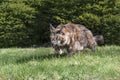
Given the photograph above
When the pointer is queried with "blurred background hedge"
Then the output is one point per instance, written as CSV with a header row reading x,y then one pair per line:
x,y
25,23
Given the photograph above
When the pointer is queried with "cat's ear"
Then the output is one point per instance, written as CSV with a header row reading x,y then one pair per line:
x,y
52,28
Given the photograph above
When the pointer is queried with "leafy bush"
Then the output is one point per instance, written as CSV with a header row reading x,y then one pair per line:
x,y
26,22
16,20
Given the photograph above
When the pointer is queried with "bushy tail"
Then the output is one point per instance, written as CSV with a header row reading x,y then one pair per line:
x,y
99,39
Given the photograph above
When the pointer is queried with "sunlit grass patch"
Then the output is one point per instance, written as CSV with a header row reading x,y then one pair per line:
x,y
42,63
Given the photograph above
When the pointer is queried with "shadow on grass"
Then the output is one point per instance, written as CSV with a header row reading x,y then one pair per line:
x,y
25,59
100,52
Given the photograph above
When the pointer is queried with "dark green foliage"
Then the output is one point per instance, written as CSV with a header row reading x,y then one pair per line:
x,y
26,22
16,24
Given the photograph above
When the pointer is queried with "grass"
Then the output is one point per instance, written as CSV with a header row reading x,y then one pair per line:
x,y
42,64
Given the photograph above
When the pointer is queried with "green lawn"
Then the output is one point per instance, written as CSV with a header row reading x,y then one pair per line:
x,y
42,64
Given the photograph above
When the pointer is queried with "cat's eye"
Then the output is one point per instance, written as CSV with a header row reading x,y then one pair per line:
x,y
62,33
58,32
